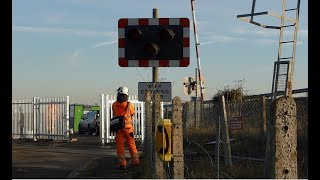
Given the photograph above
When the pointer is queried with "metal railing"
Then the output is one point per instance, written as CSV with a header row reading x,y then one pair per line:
x,y
106,114
40,118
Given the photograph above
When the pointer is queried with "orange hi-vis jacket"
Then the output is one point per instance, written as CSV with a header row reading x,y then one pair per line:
x,y
119,109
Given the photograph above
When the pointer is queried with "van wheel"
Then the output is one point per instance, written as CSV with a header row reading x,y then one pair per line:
x,y
89,130
79,129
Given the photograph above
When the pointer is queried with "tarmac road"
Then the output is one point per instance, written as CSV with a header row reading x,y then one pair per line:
x,y
84,158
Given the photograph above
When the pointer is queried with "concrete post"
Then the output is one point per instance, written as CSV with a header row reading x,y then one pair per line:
x,y
158,163
148,142
283,140
225,133
155,78
264,114
217,146
177,139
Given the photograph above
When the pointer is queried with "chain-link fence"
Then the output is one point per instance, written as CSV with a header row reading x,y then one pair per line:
x,y
246,121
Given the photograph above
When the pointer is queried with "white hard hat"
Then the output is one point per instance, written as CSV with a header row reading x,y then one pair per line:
x,y
123,90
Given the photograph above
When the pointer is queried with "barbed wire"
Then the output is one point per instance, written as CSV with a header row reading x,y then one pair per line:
x,y
211,161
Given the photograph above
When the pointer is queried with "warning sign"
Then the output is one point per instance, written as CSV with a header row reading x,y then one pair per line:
x,y
236,123
164,88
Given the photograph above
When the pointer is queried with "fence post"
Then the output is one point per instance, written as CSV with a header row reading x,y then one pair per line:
x,y
157,117
108,117
148,140
35,109
217,147
283,140
102,119
142,121
177,139
67,117
225,133
264,114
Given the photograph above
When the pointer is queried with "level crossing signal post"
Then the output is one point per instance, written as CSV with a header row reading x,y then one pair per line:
x,y
154,42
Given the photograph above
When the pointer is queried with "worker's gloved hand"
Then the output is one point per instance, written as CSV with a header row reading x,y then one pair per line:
x,y
131,134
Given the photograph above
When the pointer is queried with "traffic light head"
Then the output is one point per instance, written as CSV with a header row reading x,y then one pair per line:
x,y
151,49
166,34
154,42
134,34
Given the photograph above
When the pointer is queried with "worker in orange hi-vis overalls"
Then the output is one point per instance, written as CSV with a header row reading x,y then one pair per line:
x,y
120,108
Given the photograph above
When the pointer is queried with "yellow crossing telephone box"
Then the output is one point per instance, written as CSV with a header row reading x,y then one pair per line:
x,y
163,140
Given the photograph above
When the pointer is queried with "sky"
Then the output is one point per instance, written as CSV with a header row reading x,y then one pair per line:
x,y
70,48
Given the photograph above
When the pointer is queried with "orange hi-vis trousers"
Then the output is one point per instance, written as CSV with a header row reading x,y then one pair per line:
x,y
126,134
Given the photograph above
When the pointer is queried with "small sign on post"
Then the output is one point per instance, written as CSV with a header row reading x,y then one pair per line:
x,y
163,88
236,123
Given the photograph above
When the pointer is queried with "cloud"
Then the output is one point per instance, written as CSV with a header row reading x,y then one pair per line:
x,y
259,32
80,32
55,18
220,39
266,32
75,55
267,41
269,32
105,43
270,36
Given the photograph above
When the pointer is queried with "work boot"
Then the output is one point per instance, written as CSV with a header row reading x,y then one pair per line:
x,y
135,163
131,164
122,162
135,160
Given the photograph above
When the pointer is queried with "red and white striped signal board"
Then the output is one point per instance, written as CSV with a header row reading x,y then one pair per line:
x,y
154,42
